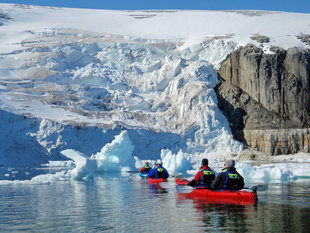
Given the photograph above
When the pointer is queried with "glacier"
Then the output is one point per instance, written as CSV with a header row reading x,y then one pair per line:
x,y
161,93
163,97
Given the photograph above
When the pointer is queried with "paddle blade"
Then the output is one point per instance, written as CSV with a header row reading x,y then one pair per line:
x,y
262,188
184,189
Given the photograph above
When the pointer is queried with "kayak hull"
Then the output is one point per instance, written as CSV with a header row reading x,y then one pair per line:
x,y
156,180
241,197
143,174
237,195
214,200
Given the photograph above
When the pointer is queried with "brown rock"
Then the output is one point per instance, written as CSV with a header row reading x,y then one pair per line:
x,y
262,92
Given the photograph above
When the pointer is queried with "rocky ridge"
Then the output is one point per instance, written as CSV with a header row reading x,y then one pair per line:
x,y
266,98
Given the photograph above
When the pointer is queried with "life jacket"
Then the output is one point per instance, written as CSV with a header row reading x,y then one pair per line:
x,y
147,168
160,172
207,177
232,180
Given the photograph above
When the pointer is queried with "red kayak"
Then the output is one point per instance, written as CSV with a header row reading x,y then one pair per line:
x,y
156,180
241,197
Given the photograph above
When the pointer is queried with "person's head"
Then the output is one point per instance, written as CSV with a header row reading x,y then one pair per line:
x,y
146,163
159,162
204,162
230,163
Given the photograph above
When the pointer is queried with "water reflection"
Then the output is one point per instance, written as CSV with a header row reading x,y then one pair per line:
x,y
157,188
120,204
215,216
222,216
282,208
153,187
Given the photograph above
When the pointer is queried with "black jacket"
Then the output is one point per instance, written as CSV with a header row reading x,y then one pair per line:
x,y
228,179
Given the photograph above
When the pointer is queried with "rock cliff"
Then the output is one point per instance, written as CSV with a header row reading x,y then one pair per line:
x,y
266,98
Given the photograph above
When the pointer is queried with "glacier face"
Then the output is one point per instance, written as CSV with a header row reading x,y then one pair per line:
x,y
160,90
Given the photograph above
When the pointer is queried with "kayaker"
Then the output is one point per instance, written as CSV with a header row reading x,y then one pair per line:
x,y
204,176
229,178
158,171
146,168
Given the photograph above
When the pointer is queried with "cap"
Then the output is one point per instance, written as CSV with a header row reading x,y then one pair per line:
x,y
205,162
159,162
230,163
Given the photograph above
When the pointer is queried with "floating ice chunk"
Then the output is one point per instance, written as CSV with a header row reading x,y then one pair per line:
x,y
117,154
178,163
266,173
84,166
113,157
49,178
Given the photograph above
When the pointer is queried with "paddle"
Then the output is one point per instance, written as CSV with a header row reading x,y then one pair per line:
x,y
261,187
184,188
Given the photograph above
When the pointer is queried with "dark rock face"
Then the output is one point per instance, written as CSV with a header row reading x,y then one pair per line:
x,y
3,17
260,38
262,92
304,38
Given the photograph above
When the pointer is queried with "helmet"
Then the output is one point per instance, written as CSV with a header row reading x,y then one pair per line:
x,y
159,162
146,162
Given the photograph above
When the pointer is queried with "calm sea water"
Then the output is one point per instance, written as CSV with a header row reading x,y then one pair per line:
x,y
128,204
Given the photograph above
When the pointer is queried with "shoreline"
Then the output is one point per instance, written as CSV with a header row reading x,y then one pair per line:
x,y
251,155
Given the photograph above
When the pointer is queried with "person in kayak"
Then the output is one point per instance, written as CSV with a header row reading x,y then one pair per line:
x,y
146,168
229,178
204,176
158,171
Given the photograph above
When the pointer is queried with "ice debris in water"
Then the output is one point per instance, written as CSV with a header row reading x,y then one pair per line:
x,y
117,156
178,163
113,157
267,172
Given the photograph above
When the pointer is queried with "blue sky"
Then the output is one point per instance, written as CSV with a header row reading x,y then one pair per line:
x,y
302,6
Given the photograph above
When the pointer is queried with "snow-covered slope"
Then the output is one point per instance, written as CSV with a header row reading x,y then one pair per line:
x,y
150,72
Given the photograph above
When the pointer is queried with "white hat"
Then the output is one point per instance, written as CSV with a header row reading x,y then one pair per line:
x,y
159,162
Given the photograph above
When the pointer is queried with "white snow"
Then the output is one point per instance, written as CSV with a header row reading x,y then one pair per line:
x,y
149,72
281,27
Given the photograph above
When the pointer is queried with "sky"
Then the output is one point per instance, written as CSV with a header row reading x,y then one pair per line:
x,y
301,6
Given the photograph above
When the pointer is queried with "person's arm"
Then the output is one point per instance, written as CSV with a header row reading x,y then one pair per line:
x,y
152,172
241,183
192,183
216,184
212,177
197,176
